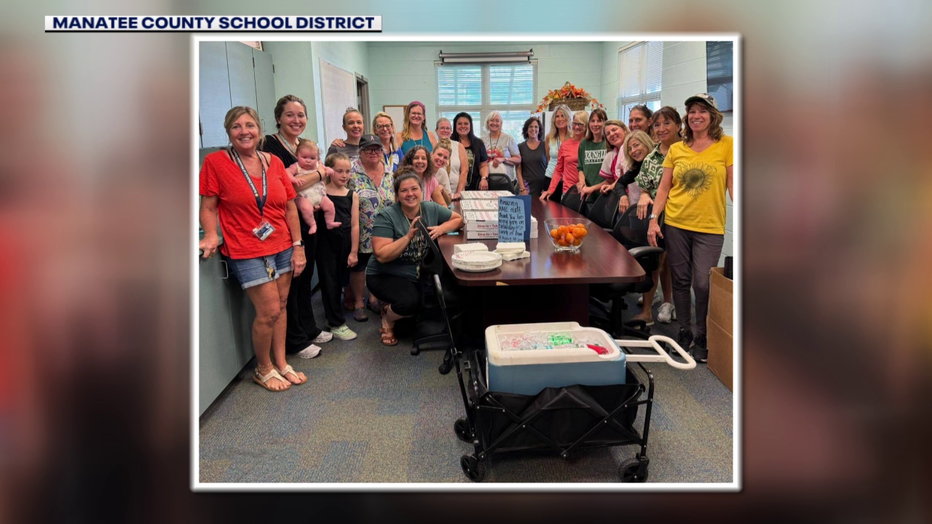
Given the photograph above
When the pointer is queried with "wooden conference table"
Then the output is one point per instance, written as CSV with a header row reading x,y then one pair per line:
x,y
549,286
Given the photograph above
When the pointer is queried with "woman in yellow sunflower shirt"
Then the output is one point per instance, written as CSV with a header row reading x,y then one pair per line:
x,y
696,173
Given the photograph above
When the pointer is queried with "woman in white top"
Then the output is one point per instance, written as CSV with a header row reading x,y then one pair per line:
x,y
502,149
459,161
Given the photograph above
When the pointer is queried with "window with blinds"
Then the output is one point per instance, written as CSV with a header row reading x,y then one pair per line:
x,y
479,89
640,68
720,73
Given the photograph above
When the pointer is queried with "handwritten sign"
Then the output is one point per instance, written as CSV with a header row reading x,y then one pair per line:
x,y
514,219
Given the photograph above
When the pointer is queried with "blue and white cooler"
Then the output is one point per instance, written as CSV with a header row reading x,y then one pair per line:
x,y
526,358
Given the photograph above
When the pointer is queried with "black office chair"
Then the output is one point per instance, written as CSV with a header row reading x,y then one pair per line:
x,y
631,232
501,182
573,200
604,211
434,322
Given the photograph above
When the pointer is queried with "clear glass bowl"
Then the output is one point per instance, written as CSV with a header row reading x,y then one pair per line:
x,y
564,233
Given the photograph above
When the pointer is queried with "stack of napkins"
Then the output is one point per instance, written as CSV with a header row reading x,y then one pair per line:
x,y
511,250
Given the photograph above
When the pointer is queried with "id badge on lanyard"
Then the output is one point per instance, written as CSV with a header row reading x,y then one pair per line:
x,y
264,229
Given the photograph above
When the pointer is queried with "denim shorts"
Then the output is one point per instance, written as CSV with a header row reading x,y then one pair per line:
x,y
254,271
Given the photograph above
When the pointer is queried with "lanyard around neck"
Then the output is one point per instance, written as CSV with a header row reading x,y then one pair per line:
x,y
260,199
287,145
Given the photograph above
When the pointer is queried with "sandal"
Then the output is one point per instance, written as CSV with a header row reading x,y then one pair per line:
x,y
359,315
288,370
387,336
262,380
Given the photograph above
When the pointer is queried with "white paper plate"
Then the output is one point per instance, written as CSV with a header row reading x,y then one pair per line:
x,y
476,261
478,270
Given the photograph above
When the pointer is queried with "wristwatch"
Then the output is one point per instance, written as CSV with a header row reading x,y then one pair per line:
x,y
299,243
652,216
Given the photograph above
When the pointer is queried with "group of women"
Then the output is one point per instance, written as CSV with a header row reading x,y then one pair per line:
x,y
397,179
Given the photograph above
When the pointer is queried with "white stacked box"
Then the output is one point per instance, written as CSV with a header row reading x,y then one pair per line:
x,y
479,205
484,195
484,224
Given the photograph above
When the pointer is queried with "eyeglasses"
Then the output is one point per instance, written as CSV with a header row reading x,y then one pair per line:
x,y
372,150
577,124
383,126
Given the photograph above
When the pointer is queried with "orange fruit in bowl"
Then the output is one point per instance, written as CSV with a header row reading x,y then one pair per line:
x,y
554,233
570,239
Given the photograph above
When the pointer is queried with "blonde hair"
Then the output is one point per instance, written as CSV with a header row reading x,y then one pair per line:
x,y
641,137
616,123
445,143
583,118
554,133
382,114
304,143
406,128
233,115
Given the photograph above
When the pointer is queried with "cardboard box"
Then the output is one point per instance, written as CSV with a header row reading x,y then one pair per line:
x,y
484,225
720,326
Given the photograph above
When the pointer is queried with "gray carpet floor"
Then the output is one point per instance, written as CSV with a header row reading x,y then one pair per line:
x,y
371,413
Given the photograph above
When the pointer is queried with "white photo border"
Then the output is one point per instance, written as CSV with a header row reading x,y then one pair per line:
x,y
668,487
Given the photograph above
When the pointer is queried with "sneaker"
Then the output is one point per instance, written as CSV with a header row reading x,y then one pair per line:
x,y
665,313
343,332
684,338
324,337
700,352
658,297
309,352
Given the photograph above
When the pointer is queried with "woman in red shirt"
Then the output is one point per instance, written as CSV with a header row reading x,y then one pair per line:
x,y
248,191
568,157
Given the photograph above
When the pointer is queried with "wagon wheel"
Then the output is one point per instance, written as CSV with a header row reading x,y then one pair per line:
x,y
633,470
473,468
461,428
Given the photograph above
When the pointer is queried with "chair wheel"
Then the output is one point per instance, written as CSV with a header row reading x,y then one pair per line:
x,y
633,470
445,367
415,351
473,469
461,428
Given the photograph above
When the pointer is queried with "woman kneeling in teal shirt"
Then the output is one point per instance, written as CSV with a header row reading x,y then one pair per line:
x,y
398,247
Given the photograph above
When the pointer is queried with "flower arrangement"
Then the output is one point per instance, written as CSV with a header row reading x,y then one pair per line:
x,y
575,97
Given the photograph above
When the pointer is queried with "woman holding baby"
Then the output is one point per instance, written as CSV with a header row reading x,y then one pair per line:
x,y
303,335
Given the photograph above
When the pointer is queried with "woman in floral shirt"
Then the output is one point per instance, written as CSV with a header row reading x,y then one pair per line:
x,y
373,186
666,125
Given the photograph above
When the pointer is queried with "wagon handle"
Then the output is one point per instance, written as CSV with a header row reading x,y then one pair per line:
x,y
661,356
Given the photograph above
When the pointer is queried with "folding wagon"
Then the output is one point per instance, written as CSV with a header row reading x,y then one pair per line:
x,y
565,417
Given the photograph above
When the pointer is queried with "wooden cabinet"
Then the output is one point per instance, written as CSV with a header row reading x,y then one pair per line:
x,y
233,74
